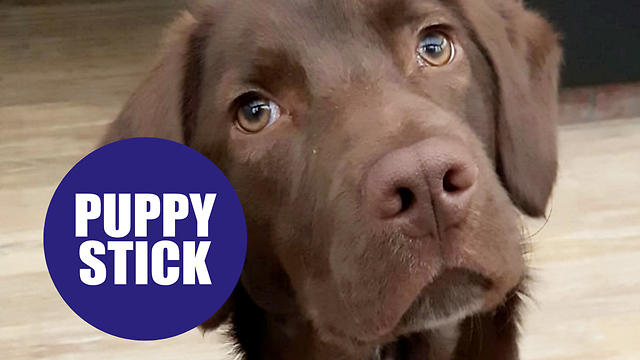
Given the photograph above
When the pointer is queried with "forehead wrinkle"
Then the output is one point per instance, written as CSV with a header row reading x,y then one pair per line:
x,y
396,14
391,14
274,69
296,52
264,46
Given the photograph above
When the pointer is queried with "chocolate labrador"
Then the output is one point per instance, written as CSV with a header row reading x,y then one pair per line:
x,y
383,151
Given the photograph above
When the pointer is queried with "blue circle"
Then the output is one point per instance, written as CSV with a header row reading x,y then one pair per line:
x,y
132,309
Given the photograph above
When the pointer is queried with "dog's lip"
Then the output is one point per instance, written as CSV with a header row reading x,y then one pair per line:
x,y
412,345
417,316
452,295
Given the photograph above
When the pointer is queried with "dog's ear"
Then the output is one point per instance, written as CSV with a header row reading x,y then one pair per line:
x,y
221,316
525,54
165,105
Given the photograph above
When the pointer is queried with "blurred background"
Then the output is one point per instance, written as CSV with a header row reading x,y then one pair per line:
x,y
68,66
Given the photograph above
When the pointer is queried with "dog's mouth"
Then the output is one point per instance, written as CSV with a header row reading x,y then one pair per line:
x,y
450,297
430,328
435,316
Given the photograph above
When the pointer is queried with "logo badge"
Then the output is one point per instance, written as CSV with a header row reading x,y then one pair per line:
x,y
145,239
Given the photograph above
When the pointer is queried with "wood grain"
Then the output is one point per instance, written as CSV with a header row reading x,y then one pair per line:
x,y
66,68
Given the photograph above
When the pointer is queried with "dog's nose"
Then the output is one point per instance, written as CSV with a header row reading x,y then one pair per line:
x,y
423,188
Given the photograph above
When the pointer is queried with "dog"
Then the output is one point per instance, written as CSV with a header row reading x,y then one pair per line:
x,y
384,152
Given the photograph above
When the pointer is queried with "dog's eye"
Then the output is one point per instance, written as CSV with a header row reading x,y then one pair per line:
x,y
435,48
256,113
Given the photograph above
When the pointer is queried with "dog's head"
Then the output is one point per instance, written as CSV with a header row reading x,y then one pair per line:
x,y
382,150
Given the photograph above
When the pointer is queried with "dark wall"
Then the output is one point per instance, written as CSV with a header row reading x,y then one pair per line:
x,y
601,39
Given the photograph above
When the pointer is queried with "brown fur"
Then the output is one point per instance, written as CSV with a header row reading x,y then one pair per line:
x,y
325,277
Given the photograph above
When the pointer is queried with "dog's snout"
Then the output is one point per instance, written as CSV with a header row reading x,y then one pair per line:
x,y
423,188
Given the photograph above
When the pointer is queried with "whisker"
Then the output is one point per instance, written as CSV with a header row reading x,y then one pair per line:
x,y
546,221
480,334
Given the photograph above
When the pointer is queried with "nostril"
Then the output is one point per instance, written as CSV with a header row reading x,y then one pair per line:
x,y
407,198
449,183
456,180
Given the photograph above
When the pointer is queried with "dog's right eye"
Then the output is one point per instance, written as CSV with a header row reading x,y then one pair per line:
x,y
256,113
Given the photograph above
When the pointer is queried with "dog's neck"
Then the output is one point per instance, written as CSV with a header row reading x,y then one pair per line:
x,y
261,335
294,338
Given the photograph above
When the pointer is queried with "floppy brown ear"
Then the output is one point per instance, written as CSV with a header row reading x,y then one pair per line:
x,y
221,316
525,54
164,105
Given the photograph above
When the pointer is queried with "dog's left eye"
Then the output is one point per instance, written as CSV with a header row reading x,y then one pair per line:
x,y
435,48
256,113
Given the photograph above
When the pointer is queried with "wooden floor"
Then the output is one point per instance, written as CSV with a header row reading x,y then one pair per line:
x,y
67,66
